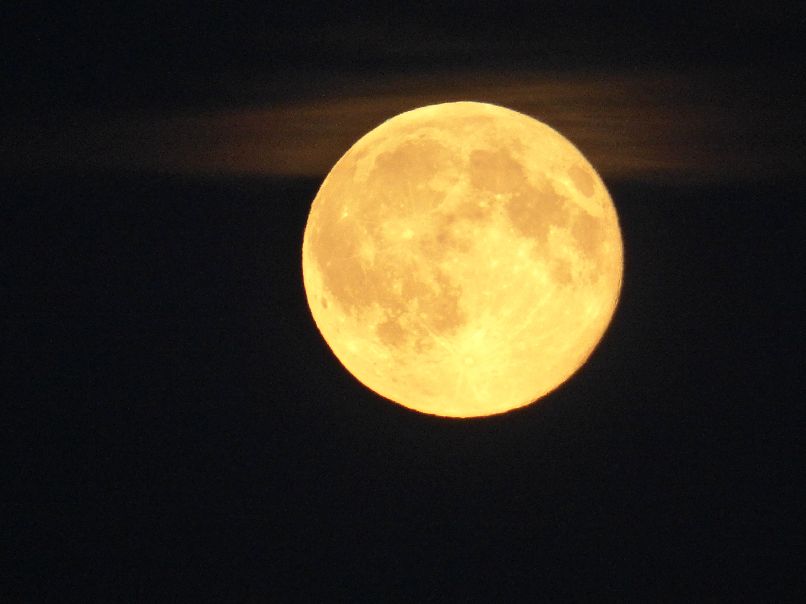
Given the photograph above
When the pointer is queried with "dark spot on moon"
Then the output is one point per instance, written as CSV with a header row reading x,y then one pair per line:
x,y
533,210
336,246
561,271
400,179
495,171
582,179
446,315
450,233
588,233
424,303
391,333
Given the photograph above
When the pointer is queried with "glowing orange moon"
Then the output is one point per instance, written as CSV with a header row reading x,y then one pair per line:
x,y
462,259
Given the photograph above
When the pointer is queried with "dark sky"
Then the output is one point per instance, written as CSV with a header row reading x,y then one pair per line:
x,y
177,430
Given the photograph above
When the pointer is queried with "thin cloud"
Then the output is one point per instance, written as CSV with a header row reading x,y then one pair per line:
x,y
657,126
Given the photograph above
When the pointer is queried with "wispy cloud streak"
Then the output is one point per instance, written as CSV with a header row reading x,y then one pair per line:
x,y
695,127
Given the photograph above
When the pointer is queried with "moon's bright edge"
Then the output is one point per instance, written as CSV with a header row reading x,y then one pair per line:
x,y
462,259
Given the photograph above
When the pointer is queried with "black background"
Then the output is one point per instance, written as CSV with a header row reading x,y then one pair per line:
x,y
177,430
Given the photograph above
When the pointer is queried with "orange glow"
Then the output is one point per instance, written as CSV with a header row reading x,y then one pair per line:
x,y
462,259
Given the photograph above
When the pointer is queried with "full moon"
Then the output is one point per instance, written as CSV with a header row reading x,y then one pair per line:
x,y
462,259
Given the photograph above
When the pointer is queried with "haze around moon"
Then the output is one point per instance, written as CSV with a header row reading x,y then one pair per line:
x,y
462,259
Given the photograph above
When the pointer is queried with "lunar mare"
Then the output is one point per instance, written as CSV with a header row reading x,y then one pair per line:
x,y
462,259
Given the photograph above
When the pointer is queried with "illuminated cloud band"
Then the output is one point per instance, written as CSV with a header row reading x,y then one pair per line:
x,y
655,126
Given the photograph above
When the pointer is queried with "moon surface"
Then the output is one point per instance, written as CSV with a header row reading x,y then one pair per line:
x,y
462,259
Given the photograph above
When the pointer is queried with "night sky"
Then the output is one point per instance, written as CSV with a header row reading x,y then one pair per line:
x,y
174,427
